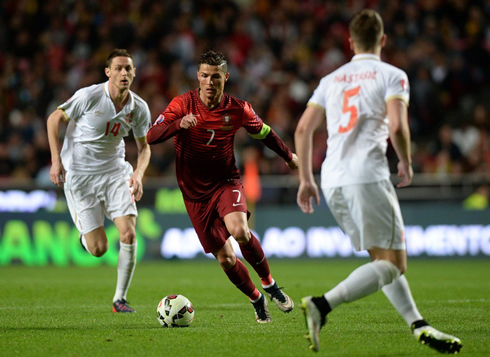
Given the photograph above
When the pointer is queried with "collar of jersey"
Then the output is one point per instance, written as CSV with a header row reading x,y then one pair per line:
x,y
131,99
364,56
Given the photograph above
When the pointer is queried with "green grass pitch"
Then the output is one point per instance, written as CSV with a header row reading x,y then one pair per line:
x,y
55,311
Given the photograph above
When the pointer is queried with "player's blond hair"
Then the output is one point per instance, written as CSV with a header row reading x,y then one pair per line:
x,y
366,29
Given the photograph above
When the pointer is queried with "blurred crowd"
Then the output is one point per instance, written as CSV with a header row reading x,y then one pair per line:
x,y
277,50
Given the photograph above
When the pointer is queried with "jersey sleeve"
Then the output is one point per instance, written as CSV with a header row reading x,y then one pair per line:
x,y
168,123
257,129
398,87
75,106
143,121
318,98
252,122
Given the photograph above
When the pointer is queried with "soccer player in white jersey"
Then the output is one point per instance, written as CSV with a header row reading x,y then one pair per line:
x,y
364,102
91,168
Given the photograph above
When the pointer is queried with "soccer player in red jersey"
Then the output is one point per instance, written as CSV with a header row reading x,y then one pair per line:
x,y
203,123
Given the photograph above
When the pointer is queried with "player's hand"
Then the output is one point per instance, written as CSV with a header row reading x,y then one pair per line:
x,y
57,174
405,171
294,163
189,121
307,191
136,187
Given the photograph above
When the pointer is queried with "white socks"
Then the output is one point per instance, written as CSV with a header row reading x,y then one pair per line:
x,y
363,281
125,269
398,292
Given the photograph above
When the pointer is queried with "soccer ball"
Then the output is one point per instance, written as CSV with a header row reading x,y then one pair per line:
x,y
175,311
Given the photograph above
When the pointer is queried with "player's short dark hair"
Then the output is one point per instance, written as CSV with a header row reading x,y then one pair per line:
x,y
214,58
117,52
366,29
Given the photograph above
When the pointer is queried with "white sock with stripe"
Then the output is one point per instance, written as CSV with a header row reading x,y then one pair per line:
x,y
125,269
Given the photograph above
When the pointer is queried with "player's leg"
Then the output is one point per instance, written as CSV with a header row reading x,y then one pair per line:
x,y
87,212
236,224
363,281
239,276
95,242
365,214
400,296
126,263
213,236
232,207
121,208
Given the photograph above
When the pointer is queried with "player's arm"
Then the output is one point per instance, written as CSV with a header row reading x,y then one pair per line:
x,y
136,180
57,171
270,139
312,117
170,122
400,138
163,131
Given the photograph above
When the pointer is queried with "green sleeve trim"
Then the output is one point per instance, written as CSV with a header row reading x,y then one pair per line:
x,y
397,97
266,129
313,104
65,116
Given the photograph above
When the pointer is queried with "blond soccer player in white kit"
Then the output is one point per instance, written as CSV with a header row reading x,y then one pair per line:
x,y
91,167
364,102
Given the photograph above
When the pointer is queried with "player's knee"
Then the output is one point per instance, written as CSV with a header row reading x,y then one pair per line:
x,y
227,261
402,267
241,234
128,236
99,249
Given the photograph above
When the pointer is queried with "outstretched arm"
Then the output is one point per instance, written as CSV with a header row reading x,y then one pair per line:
x,y
400,139
57,171
303,138
270,139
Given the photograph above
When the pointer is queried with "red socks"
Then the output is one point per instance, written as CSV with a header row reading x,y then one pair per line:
x,y
239,276
253,253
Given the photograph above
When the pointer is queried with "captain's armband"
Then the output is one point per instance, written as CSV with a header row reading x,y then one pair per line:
x,y
266,129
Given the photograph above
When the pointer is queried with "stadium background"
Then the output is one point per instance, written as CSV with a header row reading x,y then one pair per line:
x,y
277,51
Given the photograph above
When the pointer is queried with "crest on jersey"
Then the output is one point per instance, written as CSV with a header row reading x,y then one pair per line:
x,y
226,121
129,118
404,85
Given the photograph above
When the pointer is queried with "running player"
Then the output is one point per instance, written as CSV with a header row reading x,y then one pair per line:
x,y
203,123
91,168
365,102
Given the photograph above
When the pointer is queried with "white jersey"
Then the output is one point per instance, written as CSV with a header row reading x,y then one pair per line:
x,y
94,137
354,99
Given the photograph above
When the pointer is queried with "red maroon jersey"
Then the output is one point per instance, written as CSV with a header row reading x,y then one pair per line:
x,y
205,156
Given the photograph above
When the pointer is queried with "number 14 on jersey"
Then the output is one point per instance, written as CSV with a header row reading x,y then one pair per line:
x,y
115,128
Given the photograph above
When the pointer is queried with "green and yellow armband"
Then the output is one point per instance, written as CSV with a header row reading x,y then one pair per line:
x,y
266,129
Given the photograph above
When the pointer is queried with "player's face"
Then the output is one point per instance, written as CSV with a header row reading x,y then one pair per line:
x,y
211,82
121,72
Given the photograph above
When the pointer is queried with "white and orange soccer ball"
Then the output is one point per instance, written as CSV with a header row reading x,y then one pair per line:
x,y
175,311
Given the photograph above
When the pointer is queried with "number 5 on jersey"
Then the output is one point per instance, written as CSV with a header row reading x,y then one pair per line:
x,y
346,108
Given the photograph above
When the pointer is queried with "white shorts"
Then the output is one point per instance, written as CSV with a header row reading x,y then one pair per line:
x,y
91,197
369,214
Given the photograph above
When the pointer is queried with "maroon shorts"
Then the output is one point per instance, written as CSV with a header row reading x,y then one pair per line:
x,y
207,216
